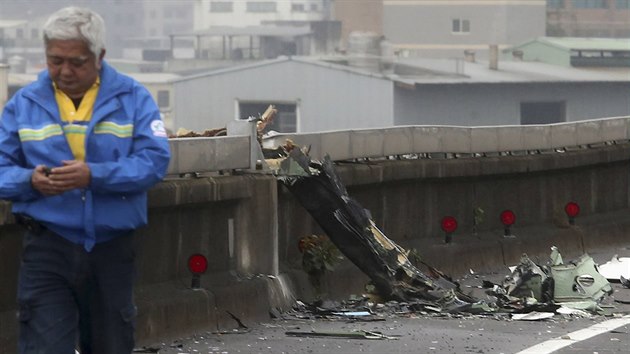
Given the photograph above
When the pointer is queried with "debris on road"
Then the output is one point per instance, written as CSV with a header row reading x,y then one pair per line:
x,y
362,334
616,269
532,316
575,285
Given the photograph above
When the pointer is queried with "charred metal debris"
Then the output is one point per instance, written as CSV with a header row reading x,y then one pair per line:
x,y
573,288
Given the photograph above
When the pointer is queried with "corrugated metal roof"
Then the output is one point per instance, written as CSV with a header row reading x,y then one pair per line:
x,y
515,72
281,59
450,71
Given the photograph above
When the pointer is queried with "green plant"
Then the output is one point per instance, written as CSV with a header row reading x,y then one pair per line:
x,y
319,255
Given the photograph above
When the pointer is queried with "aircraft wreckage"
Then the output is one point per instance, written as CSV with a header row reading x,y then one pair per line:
x,y
575,285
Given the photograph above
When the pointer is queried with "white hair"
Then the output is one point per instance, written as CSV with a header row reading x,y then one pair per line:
x,y
77,23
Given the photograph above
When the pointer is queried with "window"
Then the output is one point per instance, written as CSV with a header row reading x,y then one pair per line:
x,y
461,26
34,33
19,33
543,112
285,120
314,8
163,99
261,6
623,4
590,4
555,4
297,8
221,6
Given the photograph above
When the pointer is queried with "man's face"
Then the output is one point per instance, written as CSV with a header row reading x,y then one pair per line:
x,y
72,66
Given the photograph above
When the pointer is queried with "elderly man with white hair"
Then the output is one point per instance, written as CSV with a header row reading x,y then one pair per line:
x,y
79,148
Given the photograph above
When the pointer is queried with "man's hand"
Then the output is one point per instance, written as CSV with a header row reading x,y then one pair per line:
x,y
72,175
42,183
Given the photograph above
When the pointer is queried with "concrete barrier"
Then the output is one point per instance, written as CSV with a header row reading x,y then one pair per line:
x,y
249,227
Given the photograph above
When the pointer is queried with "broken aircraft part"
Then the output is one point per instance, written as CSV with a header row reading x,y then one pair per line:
x,y
616,268
349,226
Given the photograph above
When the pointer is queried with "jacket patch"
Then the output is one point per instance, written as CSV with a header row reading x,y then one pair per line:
x,y
157,126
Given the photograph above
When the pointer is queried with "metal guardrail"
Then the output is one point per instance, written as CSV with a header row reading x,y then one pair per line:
x,y
235,152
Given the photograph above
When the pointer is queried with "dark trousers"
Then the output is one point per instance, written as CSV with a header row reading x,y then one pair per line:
x,y
67,296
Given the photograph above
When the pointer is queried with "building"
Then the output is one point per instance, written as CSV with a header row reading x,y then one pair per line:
x,y
315,95
124,20
211,13
21,41
448,28
570,51
588,18
358,16
251,27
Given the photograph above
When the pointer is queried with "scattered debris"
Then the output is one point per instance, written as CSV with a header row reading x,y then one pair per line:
x,y
616,269
147,350
185,133
240,324
349,335
532,316
575,285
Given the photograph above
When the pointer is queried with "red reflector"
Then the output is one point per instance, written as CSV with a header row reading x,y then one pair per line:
x,y
197,264
507,217
572,209
449,224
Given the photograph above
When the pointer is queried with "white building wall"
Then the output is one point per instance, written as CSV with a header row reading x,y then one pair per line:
x,y
240,16
425,27
327,99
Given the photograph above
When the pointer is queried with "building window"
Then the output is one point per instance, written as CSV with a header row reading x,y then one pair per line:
x,y
314,8
19,33
163,99
590,4
543,112
555,4
221,6
623,4
461,26
34,33
261,6
285,120
297,8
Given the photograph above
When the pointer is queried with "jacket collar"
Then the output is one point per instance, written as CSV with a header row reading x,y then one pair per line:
x,y
112,84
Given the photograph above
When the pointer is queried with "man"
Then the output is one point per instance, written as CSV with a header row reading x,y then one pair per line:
x,y
79,148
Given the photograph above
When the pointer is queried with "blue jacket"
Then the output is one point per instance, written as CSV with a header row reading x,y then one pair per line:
x,y
126,150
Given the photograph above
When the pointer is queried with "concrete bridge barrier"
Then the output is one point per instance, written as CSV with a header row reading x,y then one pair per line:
x,y
248,226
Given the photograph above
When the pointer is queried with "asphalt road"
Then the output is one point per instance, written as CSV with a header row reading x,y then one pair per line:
x,y
425,333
